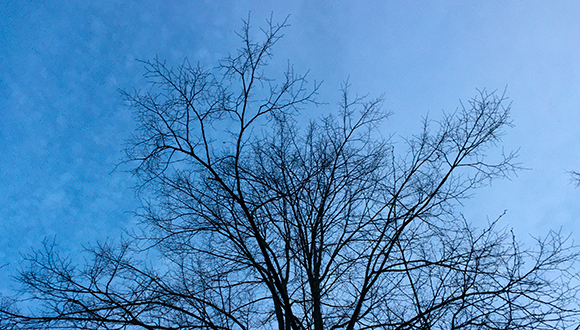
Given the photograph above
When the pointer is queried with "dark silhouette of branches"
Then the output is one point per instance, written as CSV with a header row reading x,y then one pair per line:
x,y
259,220
575,178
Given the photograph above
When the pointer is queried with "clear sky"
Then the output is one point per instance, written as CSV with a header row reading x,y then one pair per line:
x,y
63,123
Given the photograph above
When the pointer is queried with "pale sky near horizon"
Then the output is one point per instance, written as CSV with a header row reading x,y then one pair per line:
x,y
64,124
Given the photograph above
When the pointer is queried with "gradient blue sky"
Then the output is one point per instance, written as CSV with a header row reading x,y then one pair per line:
x,y
63,123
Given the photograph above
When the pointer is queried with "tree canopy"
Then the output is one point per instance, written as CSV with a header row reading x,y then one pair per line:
x,y
258,219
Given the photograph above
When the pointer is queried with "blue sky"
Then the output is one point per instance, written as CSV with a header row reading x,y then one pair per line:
x,y
64,124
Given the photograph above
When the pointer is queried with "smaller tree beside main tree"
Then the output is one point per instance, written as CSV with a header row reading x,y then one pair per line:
x,y
277,223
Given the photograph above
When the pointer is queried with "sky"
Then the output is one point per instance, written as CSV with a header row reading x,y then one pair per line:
x,y
64,123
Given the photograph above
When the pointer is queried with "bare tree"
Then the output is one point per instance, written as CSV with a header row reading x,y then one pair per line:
x,y
575,178
326,225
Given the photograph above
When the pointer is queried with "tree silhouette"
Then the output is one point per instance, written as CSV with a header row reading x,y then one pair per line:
x,y
575,178
257,220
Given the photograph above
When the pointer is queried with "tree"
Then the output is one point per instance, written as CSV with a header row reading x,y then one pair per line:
x,y
575,178
319,226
